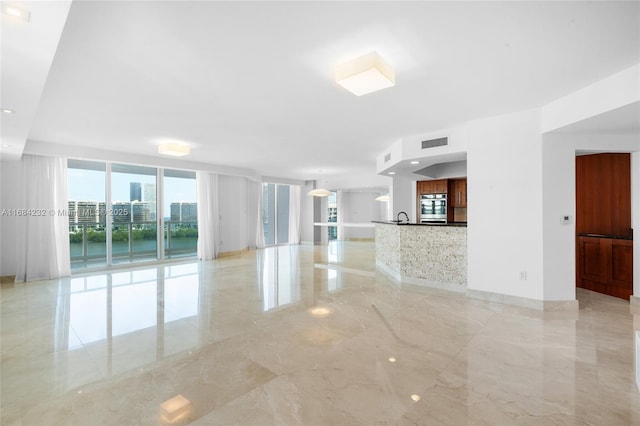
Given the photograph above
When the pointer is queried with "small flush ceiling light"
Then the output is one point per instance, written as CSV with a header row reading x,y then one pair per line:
x,y
392,173
15,12
8,111
415,162
384,198
175,149
366,74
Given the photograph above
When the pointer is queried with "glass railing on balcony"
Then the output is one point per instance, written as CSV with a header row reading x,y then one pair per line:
x,y
87,245
130,242
134,241
180,238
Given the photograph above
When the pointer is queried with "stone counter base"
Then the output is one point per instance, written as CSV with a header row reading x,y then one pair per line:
x,y
425,255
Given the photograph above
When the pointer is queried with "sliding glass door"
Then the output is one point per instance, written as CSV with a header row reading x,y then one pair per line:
x,y
87,213
134,233
275,213
141,200
180,214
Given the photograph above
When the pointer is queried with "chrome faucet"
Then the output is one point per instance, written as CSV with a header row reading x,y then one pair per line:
x,y
405,215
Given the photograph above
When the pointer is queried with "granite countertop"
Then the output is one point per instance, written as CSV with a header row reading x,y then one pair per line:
x,y
613,237
392,222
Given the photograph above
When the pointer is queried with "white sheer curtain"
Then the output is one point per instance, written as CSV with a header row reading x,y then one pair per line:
x,y
255,231
208,215
43,242
259,218
340,213
294,214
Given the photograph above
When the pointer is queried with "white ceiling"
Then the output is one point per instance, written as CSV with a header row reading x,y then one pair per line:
x,y
250,84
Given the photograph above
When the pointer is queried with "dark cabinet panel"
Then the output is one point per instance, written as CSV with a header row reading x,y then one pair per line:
x,y
457,193
603,194
605,265
591,259
622,262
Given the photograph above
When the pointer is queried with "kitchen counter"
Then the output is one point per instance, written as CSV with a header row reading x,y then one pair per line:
x,y
613,237
432,255
393,222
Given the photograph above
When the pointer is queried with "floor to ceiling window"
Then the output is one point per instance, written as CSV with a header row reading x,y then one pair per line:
x,y
180,213
134,213
87,213
141,201
332,215
275,213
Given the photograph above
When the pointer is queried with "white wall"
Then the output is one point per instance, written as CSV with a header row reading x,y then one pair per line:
x,y
233,213
403,197
615,91
306,213
635,219
504,191
9,199
360,207
559,195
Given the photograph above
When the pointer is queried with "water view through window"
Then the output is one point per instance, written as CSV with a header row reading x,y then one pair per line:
x,y
134,216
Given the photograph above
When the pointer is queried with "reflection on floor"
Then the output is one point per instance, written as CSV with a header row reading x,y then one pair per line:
x,y
304,335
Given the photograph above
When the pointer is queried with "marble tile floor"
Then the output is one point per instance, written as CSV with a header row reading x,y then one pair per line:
x,y
304,335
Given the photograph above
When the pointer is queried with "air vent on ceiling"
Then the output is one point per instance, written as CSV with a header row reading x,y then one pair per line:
x,y
387,157
435,142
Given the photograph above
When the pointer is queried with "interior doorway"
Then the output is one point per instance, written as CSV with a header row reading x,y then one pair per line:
x,y
604,238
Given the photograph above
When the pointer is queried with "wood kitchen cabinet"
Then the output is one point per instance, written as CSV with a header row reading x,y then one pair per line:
x,y
457,196
432,186
605,265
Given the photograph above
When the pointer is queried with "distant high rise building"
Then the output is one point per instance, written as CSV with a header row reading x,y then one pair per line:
x,y
87,212
135,191
121,212
149,193
149,197
140,212
184,212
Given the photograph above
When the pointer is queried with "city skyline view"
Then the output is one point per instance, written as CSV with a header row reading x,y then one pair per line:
x,y
89,185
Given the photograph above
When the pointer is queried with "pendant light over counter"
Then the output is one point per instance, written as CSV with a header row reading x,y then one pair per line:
x,y
319,192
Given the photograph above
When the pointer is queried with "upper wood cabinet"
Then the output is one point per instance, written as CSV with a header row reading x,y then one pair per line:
x,y
432,187
603,194
457,196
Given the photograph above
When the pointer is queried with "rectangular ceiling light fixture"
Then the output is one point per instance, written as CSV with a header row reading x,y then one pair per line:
x,y
366,74
173,148
15,12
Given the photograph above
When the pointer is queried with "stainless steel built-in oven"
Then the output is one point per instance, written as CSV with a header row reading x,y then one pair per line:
x,y
433,208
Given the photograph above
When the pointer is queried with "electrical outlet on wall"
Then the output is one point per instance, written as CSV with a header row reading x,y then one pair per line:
x,y
565,219
523,275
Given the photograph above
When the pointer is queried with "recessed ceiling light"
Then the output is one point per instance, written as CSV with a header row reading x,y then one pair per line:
x,y
5,145
16,12
8,111
415,162
392,173
365,74
175,149
384,198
